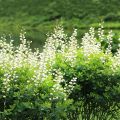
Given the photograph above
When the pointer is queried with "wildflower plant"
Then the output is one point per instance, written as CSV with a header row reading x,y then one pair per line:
x,y
64,81
90,76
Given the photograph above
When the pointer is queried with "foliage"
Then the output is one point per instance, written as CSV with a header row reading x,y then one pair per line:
x,y
39,17
91,72
64,81
27,89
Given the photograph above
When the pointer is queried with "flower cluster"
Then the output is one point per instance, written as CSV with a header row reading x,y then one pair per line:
x,y
90,44
57,42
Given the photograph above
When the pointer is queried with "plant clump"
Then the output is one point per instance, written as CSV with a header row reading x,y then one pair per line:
x,y
65,81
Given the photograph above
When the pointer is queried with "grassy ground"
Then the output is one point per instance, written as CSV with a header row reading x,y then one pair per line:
x,y
39,17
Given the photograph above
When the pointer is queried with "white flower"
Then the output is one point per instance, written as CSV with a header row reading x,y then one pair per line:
x,y
90,44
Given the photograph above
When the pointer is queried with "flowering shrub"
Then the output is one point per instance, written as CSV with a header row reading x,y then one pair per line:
x,y
64,81
91,76
27,89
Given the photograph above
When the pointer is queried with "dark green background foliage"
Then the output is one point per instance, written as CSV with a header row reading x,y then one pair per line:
x,y
39,17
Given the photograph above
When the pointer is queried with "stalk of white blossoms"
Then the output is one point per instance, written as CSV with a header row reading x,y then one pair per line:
x,y
72,48
55,43
101,35
57,87
6,51
22,53
109,41
70,86
90,44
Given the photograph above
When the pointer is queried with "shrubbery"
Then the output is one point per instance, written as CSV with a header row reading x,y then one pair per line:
x,y
64,82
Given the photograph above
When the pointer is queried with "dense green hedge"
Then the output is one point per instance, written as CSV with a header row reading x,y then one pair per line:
x,y
64,82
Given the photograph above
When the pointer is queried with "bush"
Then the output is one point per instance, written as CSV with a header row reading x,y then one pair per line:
x,y
65,81
90,72
27,89
111,17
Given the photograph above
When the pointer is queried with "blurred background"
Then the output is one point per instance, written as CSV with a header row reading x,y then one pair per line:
x,y
39,17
